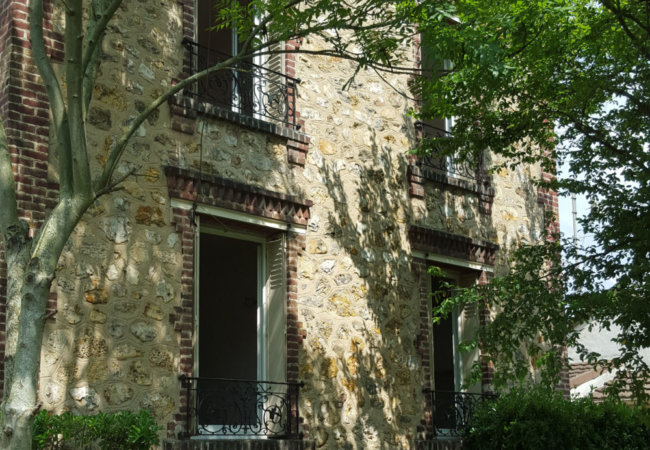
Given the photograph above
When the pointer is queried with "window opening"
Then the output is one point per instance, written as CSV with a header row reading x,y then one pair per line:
x,y
439,127
233,88
256,87
446,370
241,333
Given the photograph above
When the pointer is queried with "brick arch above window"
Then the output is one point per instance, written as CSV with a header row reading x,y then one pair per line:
x,y
190,185
452,245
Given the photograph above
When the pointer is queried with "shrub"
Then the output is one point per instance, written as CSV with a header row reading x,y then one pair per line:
x,y
541,419
119,431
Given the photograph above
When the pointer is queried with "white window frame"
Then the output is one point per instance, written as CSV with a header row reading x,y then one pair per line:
x,y
263,304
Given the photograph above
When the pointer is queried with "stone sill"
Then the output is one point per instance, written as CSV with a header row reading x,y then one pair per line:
x,y
438,443
236,444
189,107
474,186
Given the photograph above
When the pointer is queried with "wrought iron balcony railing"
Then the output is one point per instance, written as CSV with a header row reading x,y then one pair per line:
x,y
225,407
452,412
445,164
248,89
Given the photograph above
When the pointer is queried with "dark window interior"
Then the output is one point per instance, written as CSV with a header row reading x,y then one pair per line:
x,y
228,334
443,362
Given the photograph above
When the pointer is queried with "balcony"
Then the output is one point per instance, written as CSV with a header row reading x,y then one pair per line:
x,y
247,89
452,412
228,408
444,165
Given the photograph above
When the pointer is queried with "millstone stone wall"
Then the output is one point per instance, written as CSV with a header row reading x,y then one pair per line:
x,y
113,344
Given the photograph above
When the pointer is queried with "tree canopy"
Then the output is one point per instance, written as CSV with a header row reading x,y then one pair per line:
x,y
565,81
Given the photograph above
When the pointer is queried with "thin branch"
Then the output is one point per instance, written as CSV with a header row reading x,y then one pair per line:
x,y
620,17
118,149
73,40
96,30
112,187
55,96
9,213
598,136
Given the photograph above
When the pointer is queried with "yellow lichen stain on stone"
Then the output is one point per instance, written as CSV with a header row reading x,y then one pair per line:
x,y
326,147
317,246
110,96
306,369
356,344
147,215
349,384
317,346
329,367
152,175
503,172
98,296
342,305
351,363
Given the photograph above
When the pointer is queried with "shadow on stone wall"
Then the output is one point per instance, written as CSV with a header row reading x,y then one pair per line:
x,y
360,363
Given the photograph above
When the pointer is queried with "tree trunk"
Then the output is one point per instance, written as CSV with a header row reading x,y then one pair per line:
x,y
30,267
27,295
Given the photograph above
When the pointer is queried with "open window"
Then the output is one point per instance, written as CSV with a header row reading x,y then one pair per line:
x,y
435,128
450,367
232,89
255,87
240,350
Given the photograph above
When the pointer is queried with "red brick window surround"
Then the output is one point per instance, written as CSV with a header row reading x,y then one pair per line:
x,y
475,261
188,186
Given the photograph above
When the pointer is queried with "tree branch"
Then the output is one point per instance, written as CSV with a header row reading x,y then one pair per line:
x,y
620,17
104,182
55,95
96,30
8,206
74,75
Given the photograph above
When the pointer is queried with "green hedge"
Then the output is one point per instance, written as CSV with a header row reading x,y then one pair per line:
x,y
119,431
543,419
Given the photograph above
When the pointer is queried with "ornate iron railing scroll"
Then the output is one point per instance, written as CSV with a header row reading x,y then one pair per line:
x,y
246,88
225,407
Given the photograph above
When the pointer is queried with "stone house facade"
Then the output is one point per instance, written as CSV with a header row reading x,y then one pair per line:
x,y
264,272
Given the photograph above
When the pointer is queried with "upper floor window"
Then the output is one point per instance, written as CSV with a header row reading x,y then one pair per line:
x,y
434,66
254,86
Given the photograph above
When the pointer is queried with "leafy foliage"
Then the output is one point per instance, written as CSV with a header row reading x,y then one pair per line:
x,y
541,418
121,431
583,65
525,340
